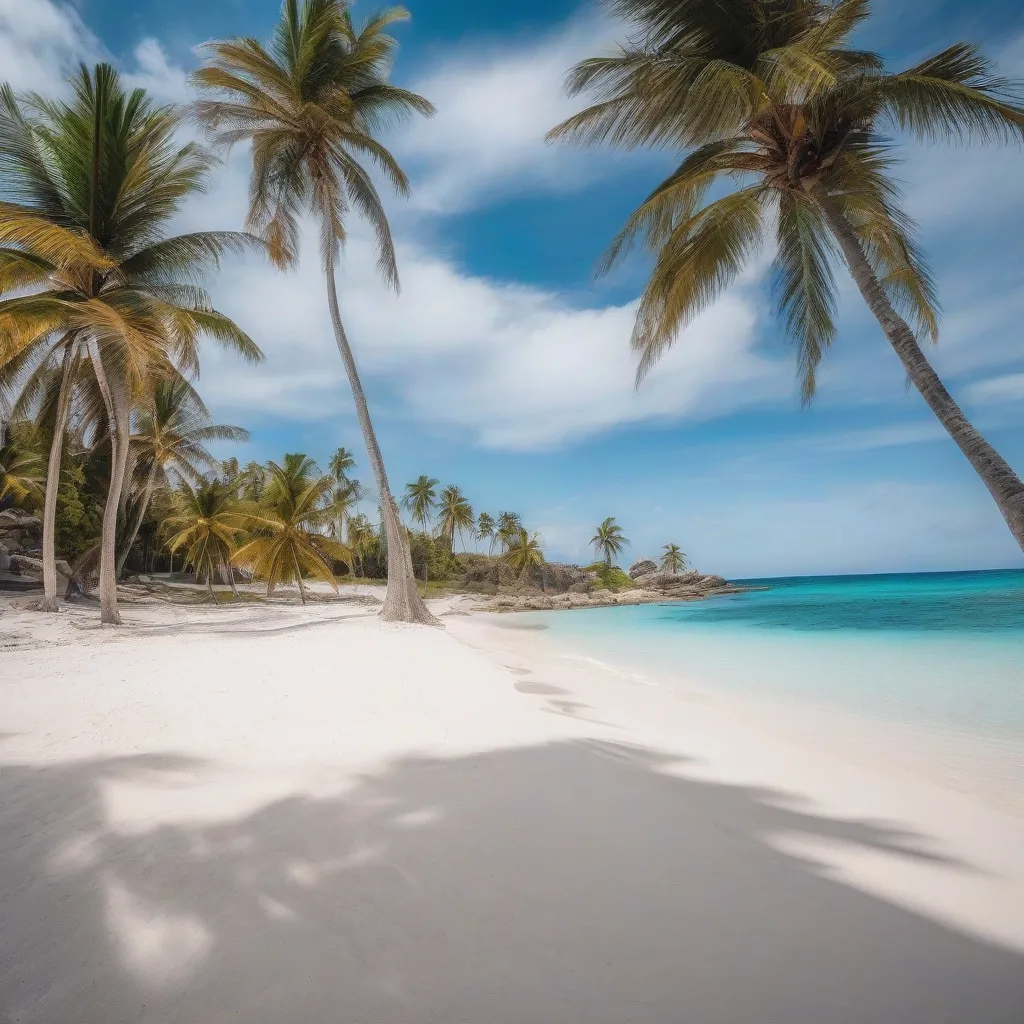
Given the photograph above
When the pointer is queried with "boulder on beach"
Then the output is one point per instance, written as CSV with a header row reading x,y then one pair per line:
x,y
642,567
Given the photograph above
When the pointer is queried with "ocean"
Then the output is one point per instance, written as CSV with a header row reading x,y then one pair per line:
x,y
927,649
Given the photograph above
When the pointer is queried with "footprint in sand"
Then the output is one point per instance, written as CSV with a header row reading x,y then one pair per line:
x,y
540,689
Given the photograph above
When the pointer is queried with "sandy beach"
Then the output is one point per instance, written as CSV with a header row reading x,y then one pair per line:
x,y
281,814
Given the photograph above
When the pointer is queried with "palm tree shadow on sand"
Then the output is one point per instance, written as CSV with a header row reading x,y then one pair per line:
x,y
563,882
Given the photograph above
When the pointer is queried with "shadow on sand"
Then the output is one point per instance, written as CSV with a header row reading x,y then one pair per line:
x,y
571,882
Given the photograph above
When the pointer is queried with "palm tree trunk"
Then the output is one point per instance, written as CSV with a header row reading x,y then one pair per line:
x,y
402,602
51,599
147,495
298,577
114,403
1003,484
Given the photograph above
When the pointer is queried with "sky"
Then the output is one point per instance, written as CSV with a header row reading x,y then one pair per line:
x,y
504,366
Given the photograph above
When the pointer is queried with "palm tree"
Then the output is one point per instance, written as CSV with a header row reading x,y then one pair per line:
x,y
485,530
341,462
92,278
20,473
170,435
206,520
421,499
360,535
288,524
509,525
674,559
455,514
772,96
609,540
312,105
253,481
524,552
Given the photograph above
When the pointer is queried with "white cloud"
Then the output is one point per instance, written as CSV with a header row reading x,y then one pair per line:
x,y
41,43
1009,388
154,73
495,103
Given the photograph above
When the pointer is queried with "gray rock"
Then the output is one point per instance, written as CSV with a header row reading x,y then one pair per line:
x,y
642,567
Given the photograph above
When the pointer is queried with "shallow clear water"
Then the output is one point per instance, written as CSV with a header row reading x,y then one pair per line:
x,y
927,648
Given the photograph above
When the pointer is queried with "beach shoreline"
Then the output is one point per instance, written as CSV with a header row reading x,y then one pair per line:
x,y
256,804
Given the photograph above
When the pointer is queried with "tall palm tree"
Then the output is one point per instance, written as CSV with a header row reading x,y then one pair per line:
x,y
524,552
289,543
509,525
312,104
609,540
454,515
421,499
346,493
772,96
206,520
674,559
485,530
92,277
171,433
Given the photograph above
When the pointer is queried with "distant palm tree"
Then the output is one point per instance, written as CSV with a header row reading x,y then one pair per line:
x,y
485,530
288,542
341,462
454,515
421,499
773,101
524,552
206,521
170,434
313,104
609,540
253,481
21,474
360,535
345,495
674,559
509,525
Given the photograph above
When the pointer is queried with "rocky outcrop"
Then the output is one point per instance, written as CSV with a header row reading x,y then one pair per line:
x,y
481,573
642,567
21,566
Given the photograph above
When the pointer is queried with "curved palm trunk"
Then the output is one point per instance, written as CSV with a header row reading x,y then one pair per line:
x,y
51,599
1003,484
147,496
402,602
118,464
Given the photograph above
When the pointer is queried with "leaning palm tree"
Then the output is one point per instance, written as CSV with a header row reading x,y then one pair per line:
x,y
524,552
674,559
91,277
288,541
609,540
205,520
171,433
485,530
312,104
770,96
420,499
454,515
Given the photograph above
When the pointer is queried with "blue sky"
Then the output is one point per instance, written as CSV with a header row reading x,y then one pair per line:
x,y
504,366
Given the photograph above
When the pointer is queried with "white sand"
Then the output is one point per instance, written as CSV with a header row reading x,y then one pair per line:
x,y
276,814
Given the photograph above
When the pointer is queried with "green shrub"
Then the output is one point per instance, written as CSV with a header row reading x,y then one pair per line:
x,y
610,577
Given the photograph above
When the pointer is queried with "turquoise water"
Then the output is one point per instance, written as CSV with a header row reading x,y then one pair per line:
x,y
928,648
